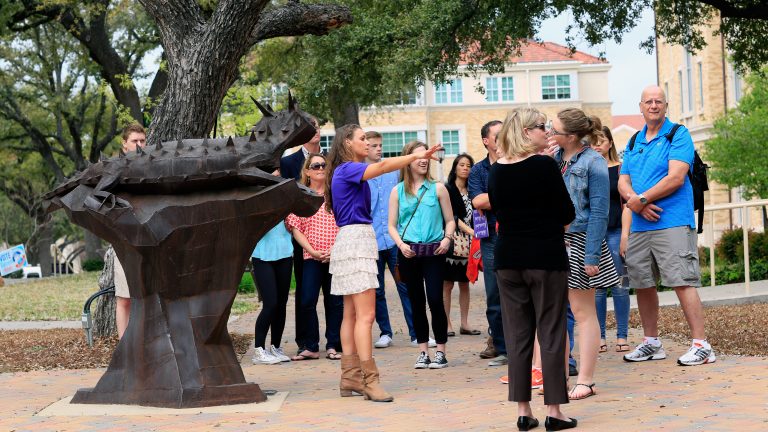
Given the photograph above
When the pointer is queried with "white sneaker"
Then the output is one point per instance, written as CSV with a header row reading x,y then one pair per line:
x,y
279,354
431,343
383,342
645,352
262,356
500,360
697,355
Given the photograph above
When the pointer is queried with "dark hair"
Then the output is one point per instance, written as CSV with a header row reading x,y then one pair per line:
x,y
486,129
613,155
452,175
132,128
338,154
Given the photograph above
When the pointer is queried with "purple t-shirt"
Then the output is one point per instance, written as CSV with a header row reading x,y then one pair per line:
x,y
351,195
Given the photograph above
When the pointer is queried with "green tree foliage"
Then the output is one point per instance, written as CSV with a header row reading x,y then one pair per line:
x,y
737,151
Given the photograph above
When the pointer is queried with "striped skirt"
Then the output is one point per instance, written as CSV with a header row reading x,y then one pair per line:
x,y
578,279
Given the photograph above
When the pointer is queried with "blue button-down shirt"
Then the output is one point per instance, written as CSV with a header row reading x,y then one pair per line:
x,y
477,184
381,187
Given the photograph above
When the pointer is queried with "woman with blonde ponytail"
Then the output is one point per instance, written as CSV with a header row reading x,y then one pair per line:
x,y
585,173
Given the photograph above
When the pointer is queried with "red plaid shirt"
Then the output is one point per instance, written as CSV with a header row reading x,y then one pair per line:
x,y
320,229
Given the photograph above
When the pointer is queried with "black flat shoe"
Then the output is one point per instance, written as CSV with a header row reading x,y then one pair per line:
x,y
555,424
526,423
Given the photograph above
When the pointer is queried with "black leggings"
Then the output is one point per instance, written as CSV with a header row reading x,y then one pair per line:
x,y
273,280
424,278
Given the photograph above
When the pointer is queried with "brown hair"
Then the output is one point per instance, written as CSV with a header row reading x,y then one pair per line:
x,y
372,134
613,155
512,141
405,172
304,177
338,154
132,128
576,122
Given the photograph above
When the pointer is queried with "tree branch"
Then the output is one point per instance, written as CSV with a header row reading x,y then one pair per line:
x,y
296,19
177,21
730,9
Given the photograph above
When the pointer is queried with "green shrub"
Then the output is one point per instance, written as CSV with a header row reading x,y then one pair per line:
x,y
734,272
730,248
93,265
246,284
703,256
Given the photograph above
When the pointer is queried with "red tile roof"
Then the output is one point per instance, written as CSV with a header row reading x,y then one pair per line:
x,y
545,52
635,121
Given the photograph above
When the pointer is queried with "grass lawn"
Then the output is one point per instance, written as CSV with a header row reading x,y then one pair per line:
x,y
62,298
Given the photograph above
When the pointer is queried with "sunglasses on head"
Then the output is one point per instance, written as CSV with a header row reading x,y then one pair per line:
x,y
317,166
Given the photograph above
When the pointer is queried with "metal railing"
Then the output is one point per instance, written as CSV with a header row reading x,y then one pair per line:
x,y
743,206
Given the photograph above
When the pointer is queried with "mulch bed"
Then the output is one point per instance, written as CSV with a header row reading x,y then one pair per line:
x,y
732,330
30,350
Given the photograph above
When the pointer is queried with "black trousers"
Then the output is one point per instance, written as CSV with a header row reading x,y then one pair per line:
x,y
298,272
423,276
535,300
273,280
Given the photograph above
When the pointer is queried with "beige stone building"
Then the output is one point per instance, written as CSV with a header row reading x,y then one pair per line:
x,y
544,75
700,88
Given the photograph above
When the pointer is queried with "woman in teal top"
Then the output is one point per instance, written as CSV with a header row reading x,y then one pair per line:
x,y
272,261
418,209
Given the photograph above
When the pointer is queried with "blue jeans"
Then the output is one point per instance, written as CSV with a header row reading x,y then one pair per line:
x,y
493,301
570,323
316,276
388,257
620,294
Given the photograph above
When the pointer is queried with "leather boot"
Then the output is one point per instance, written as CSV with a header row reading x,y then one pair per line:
x,y
372,389
351,376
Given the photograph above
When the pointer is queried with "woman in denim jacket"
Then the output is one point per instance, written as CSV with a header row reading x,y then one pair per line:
x,y
585,173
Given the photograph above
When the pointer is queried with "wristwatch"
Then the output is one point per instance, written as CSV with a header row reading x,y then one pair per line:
x,y
643,199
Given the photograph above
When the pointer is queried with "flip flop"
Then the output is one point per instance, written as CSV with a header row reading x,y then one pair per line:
x,y
603,348
333,355
622,347
451,333
464,331
306,355
592,391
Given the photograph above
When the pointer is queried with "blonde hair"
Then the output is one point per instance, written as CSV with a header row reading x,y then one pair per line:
x,y
405,172
305,166
512,141
338,154
578,123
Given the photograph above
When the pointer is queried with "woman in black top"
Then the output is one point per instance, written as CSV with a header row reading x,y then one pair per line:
x,y
455,267
532,205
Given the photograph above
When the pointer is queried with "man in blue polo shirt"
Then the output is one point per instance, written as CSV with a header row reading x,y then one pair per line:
x,y
662,242
381,187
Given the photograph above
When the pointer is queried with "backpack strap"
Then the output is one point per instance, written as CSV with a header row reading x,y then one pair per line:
x,y
669,135
632,141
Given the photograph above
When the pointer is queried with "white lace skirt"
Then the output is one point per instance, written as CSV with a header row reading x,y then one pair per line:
x,y
353,260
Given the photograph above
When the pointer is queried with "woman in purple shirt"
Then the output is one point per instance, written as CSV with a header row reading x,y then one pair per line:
x,y
354,254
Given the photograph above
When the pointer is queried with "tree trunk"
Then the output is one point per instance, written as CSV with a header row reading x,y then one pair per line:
x,y
343,110
92,246
104,324
43,246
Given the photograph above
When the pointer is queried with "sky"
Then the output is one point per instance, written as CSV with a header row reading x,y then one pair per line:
x,y
632,69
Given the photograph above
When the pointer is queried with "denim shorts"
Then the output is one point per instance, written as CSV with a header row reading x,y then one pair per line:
x,y
669,254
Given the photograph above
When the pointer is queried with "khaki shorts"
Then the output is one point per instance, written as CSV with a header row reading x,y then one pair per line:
x,y
121,283
670,254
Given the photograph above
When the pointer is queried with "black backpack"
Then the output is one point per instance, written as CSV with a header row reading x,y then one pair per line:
x,y
697,176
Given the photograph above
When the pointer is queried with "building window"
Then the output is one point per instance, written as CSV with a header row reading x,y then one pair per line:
x,y
450,92
508,89
689,81
701,87
666,90
408,97
737,83
325,143
555,87
450,141
492,89
392,143
682,99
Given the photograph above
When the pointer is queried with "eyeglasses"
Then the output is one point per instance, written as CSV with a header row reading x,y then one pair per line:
x,y
651,102
317,166
552,131
540,126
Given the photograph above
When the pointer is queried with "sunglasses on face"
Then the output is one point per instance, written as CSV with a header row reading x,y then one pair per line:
x,y
541,126
317,166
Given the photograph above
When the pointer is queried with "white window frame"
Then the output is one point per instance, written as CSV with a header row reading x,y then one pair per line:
x,y
572,86
461,128
450,92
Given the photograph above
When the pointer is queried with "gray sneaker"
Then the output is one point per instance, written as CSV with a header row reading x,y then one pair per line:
x,y
500,360
262,356
439,362
423,361
645,352
279,354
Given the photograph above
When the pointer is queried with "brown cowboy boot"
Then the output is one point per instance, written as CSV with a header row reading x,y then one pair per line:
x,y
372,389
351,376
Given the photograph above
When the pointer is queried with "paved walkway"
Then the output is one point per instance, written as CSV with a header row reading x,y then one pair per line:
x,y
730,395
